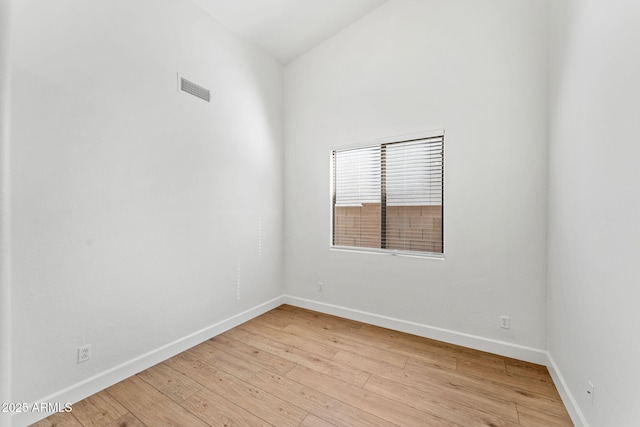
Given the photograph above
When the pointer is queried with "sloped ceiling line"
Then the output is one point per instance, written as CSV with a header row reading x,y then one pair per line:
x,y
286,29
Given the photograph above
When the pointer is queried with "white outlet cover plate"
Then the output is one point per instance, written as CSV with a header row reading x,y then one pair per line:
x,y
84,353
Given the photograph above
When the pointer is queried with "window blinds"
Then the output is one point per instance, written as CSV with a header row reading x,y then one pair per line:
x,y
390,196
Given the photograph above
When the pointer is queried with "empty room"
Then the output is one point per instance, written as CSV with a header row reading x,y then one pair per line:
x,y
319,213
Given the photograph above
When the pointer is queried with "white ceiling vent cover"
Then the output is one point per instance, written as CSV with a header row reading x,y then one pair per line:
x,y
187,86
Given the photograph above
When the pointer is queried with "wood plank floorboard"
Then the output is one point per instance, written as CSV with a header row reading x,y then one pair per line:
x,y
299,368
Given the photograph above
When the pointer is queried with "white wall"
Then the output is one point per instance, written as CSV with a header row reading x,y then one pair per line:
x,y
5,228
132,202
476,69
594,207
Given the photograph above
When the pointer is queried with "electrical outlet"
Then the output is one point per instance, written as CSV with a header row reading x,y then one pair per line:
x,y
505,322
84,353
590,390
320,287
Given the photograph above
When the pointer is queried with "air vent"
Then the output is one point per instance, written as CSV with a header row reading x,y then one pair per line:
x,y
194,89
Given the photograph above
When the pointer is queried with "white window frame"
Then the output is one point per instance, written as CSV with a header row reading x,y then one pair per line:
x,y
376,143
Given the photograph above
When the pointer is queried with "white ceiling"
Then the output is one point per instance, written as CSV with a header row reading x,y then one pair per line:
x,y
286,29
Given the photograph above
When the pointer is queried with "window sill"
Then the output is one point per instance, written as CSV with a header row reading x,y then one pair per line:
x,y
404,254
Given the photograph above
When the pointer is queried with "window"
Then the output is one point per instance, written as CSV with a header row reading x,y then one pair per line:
x,y
389,197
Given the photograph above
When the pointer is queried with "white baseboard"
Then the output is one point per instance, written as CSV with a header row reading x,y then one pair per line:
x,y
501,348
568,398
99,382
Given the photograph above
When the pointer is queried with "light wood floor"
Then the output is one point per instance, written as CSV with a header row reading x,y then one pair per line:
x,y
294,367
